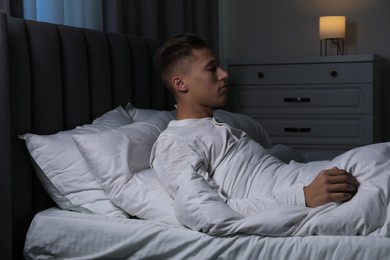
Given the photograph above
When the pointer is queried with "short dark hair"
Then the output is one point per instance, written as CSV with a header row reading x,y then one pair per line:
x,y
175,53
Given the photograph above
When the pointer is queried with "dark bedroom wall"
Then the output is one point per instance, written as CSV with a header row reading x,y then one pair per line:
x,y
254,28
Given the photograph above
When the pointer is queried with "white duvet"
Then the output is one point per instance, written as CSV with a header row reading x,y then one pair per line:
x,y
199,207
60,234
226,203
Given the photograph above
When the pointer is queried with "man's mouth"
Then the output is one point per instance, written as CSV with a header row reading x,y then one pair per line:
x,y
224,89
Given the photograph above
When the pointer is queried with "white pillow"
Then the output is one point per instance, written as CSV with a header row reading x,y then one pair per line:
x,y
246,124
140,114
120,157
144,197
64,173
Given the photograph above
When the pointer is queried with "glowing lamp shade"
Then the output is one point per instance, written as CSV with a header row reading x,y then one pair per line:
x,y
332,27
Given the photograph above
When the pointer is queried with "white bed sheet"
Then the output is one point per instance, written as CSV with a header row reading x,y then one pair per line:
x,y
61,234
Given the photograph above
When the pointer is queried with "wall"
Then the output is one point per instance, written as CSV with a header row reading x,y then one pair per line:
x,y
255,28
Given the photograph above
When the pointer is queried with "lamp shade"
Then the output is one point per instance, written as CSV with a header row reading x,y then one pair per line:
x,y
332,27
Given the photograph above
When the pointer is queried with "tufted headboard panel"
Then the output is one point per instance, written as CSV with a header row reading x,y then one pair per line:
x,y
54,78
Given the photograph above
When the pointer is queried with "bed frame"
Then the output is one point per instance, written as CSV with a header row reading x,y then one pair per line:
x,y
54,78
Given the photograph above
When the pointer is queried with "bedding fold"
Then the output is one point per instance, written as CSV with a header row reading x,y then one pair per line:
x,y
200,207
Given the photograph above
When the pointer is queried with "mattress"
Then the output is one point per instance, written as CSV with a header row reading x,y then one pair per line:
x,y
56,233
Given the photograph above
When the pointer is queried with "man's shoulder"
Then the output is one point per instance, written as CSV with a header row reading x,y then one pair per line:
x,y
188,131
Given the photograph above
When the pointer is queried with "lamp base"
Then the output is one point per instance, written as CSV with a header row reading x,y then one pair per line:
x,y
338,42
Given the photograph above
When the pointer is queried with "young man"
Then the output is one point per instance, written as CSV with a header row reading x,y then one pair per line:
x,y
196,150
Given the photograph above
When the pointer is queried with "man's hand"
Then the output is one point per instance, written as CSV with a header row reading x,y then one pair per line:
x,y
332,185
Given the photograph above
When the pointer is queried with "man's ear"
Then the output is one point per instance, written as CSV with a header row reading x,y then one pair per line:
x,y
179,84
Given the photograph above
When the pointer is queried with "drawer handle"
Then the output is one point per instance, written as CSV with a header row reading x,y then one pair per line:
x,y
297,100
297,129
334,73
260,75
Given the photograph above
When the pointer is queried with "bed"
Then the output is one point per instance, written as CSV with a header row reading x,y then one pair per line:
x,y
59,79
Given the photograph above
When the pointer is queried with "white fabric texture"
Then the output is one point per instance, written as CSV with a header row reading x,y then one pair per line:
x,y
246,124
203,164
119,159
140,114
64,173
58,234
287,154
235,120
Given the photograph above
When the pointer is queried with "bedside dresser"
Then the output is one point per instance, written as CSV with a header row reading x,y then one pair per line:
x,y
310,103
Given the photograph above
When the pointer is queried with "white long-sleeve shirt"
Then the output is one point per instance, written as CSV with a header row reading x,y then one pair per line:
x,y
234,166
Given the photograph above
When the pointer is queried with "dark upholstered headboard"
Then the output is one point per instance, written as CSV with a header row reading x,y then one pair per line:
x,y
53,78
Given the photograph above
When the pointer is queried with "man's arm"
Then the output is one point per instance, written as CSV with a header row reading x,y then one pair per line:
x,y
332,185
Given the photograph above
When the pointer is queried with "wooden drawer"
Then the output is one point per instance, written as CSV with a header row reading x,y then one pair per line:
x,y
327,73
319,130
318,99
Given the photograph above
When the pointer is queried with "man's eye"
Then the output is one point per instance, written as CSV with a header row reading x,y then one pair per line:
x,y
212,68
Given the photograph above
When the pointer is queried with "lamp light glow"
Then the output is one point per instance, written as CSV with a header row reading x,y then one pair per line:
x,y
332,27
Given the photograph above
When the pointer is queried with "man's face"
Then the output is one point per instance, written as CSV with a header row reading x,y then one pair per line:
x,y
206,81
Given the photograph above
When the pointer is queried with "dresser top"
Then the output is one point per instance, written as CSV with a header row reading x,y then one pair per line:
x,y
304,59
